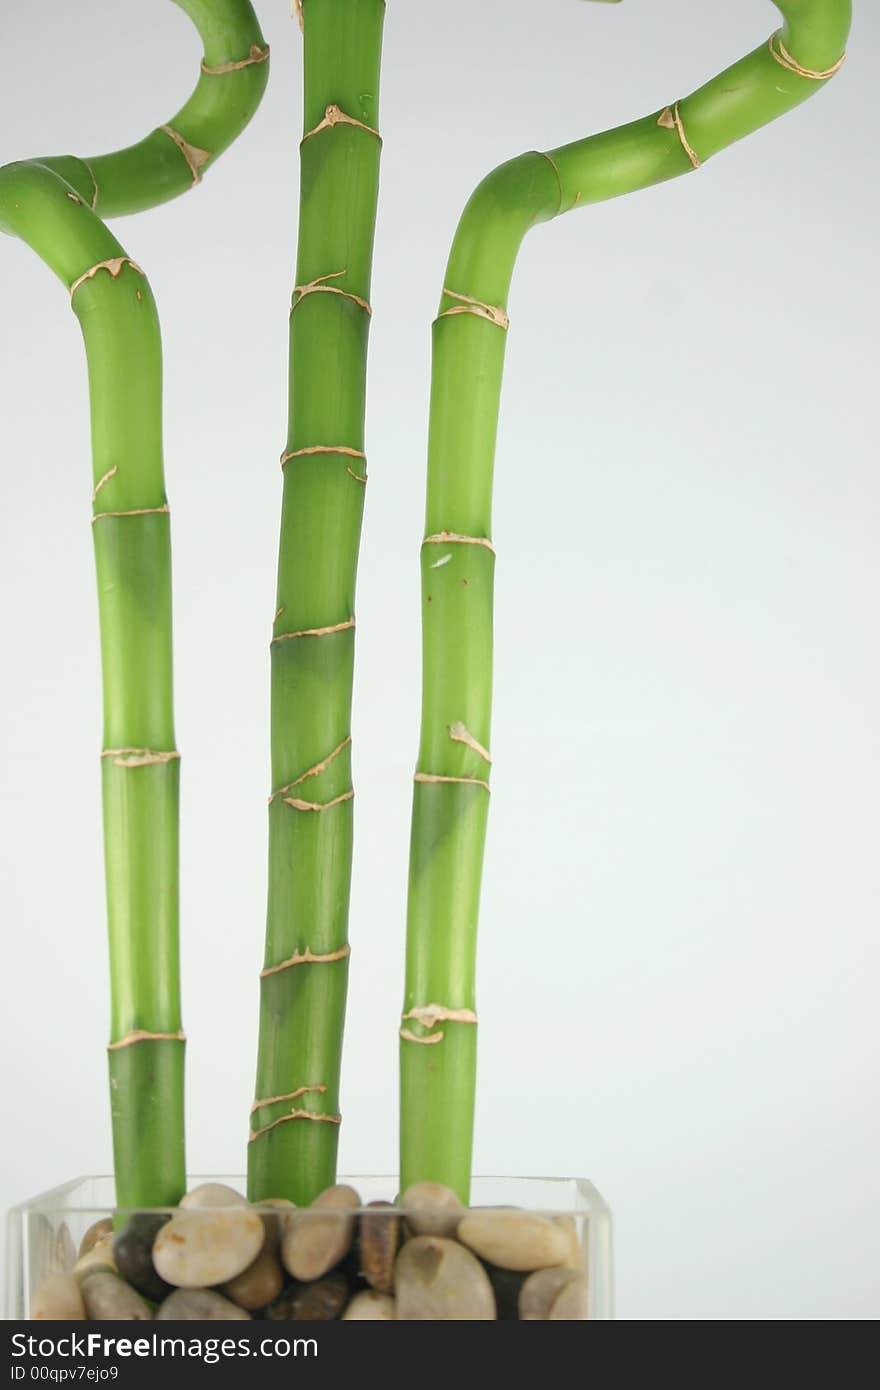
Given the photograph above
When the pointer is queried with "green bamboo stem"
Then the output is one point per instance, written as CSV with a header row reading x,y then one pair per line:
x,y
174,157
438,1054
49,204
302,1003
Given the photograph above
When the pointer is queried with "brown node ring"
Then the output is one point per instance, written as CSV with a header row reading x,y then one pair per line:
x,y
140,1035
670,119
255,55
493,313
333,116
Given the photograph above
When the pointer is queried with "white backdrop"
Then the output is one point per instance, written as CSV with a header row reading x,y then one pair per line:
x,y
679,947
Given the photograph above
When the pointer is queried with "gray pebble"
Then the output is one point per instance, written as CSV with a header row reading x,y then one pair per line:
x,y
200,1305
431,1209
200,1248
514,1239
316,1238
109,1299
437,1279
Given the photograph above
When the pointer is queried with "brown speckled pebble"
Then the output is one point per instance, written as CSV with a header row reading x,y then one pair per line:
x,y
104,1227
437,1279
199,1305
431,1209
316,1238
514,1239
370,1306
572,1305
379,1239
320,1301
198,1249
212,1194
100,1256
261,1282
58,1299
540,1292
109,1299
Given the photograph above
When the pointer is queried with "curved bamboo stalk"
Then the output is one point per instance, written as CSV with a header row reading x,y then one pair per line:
x,y
304,982
49,205
451,797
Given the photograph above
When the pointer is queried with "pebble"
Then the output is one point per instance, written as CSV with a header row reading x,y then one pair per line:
x,y
575,1259
541,1291
437,1279
506,1285
133,1253
432,1209
372,1306
514,1239
212,1194
316,1238
379,1239
273,1220
197,1249
109,1299
572,1305
58,1299
320,1301
199,1305
261,1282
100,1256
104,1227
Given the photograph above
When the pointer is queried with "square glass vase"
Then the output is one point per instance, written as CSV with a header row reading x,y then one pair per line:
x,y
44,1234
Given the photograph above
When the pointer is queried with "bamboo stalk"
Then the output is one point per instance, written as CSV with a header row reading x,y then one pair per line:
x,y
304,982
451,798
49,204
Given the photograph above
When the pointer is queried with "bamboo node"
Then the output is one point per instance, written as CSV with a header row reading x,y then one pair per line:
x,y
91,171
333,116
468,305
278,612
296,804
295,1115
113,266
291,1095
453,538
137,511
407,1036
670,119
436,778
306,957
255,55
140,1035
342,449
140,757
782,56
319,286
312,771
314,632
296,8
460,733
111,473
431,1014
195,158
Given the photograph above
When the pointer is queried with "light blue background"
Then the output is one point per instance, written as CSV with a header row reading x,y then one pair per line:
x,y
679,948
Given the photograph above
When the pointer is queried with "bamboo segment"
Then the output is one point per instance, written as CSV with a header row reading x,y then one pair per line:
x,y
310,828
173,158
50,205
450,801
